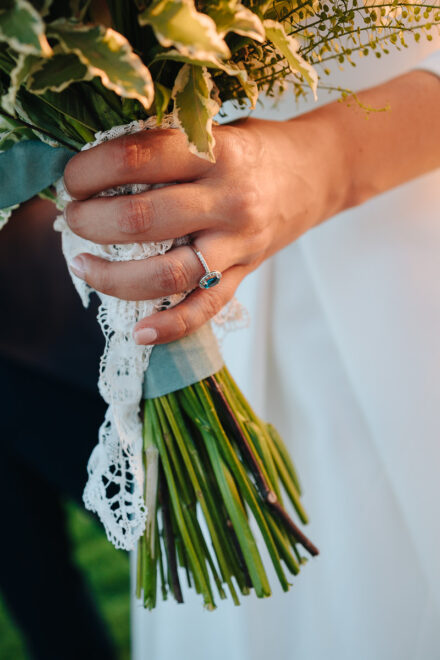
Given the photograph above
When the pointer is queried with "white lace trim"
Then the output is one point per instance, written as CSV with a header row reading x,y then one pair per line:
x,y
233,316
114,489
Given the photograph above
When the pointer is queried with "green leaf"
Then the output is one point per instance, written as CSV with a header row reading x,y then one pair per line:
x,y
249,87
162,97
107,106
210,61
22,27
177,23
108,55
194,109
11,132
64,115
288,47
7,62
232,16
19,75
57,73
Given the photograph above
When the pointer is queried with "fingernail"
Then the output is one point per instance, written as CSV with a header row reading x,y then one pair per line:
x,y
78,266
145,336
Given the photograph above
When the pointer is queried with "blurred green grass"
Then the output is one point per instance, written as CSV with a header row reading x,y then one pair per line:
x,y
107,572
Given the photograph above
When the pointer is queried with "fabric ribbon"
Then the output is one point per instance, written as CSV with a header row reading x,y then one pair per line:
x,y
181,363
27,168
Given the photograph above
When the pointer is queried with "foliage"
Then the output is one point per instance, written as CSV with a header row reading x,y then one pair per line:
x,y
76,66
106,571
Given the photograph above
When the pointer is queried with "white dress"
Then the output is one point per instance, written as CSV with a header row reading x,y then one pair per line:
x,y
343,355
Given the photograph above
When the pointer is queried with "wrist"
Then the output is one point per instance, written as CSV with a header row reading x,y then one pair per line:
x,y
319,136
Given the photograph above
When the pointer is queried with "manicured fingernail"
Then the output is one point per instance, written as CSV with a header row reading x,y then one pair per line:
x,y
78,266
145,336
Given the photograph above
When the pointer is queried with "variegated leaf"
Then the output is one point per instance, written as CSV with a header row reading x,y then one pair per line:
x,y
232,16
11,132
22,27
194,108
210,61
177,23
249,87
288,47
108,55
57,73
19,75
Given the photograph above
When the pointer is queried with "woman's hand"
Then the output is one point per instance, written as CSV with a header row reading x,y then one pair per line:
x,y
271,182
265,189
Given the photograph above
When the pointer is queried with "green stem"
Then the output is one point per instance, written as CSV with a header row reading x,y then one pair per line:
x,y
216,441
202,492
281,448
266,492
163,582
139,573
201,461
188,495
198,568
170,547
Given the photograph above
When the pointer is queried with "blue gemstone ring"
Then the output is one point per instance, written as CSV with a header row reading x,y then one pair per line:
x,y
211,277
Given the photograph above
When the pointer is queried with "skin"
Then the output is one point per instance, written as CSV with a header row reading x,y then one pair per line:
x,y
271,183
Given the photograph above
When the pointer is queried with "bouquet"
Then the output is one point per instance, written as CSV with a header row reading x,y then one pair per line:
x,y
184,469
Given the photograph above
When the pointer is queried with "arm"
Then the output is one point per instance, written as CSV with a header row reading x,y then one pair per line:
x,y
272,182
387,148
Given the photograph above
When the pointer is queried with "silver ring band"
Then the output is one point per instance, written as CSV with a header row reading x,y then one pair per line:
x,y
211,277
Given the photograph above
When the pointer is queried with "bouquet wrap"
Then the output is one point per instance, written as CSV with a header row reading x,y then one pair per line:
x,y
181,363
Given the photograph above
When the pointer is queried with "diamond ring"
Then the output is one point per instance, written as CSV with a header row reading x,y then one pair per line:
x,y
211,277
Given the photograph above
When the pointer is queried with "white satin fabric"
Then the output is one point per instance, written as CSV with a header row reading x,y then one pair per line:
x,y
343,355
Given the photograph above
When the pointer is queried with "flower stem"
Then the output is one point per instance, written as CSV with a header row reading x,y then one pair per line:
x,y
266,492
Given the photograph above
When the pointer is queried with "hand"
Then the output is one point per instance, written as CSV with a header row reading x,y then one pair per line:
x,y
265,189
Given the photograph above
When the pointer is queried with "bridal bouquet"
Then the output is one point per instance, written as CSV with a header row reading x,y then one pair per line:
x,y
184,468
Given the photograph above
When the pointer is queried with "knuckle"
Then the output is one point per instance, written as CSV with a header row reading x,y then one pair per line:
x,y
173,277
136,217
72,215
133,152
246,205
257,244
232,145
100,277
212,304
182,325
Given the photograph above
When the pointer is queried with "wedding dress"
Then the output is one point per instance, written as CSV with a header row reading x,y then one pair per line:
x,y
343,355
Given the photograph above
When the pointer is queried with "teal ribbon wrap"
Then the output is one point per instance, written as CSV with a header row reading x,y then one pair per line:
x,y
27,168
181,363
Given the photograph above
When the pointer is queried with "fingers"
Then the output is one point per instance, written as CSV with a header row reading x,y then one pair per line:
x,y
189,315
150,156
156,215
177,271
